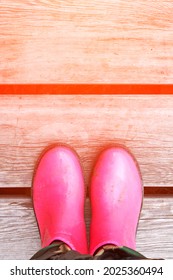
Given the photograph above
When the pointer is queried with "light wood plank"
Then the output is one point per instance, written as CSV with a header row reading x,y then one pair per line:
x,y
86,41
19,236
87,123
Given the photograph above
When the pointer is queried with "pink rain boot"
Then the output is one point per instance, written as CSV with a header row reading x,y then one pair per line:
x,y
116,199
58,198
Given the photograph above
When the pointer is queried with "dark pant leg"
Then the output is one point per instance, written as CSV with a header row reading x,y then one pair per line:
x,y
120,253
53,252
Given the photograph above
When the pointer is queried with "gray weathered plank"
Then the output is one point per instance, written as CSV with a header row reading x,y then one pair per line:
x,y
86,41
87,123
19,236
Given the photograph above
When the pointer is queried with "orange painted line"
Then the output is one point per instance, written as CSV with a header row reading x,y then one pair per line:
x,y
85,89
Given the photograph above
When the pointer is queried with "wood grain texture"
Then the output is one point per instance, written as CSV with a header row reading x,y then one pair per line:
x,y
143,123
86,41
19,236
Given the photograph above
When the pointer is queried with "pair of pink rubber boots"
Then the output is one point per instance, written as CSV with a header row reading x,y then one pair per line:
x,y
116,195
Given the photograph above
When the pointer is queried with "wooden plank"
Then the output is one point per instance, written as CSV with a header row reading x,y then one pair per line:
x,y
86,41
87,123
19,236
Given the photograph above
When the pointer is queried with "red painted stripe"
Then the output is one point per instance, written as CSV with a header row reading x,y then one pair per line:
x,y
85,89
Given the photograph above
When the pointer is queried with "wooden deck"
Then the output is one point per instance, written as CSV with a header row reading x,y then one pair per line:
x,y
77,42
88,123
